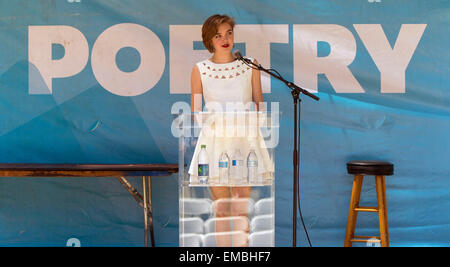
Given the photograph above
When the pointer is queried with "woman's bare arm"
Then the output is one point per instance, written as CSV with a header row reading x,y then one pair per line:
x,y
196,90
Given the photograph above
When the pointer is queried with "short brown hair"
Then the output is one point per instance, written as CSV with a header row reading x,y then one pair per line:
x,y
210,26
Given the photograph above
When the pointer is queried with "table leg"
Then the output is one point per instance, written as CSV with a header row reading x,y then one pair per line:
x,y
148,214
150,210
144,191
139,199
145,202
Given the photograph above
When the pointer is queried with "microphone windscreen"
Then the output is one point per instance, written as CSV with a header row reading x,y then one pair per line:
x,y
237,54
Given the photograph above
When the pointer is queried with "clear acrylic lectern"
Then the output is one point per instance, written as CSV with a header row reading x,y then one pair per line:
x,y
231,202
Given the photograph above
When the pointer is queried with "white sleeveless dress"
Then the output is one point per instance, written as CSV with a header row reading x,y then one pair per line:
x,y
222,84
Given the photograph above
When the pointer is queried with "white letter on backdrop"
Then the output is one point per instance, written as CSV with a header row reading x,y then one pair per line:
x,y
307,65
392,63
104,65
42,68
183,56
257,39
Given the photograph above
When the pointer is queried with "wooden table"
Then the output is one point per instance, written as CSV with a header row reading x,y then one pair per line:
x,y
119,171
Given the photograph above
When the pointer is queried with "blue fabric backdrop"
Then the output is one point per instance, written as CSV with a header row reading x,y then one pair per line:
x,y
80,122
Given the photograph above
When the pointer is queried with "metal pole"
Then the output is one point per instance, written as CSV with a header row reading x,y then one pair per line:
x,y
150,210
295,178
144,189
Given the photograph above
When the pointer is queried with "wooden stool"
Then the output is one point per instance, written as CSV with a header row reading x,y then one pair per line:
x,y
379,169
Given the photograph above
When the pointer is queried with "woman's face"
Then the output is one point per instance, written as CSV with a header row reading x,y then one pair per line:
x,y
223,41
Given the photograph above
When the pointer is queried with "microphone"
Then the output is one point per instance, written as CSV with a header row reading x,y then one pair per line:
x,y
237,54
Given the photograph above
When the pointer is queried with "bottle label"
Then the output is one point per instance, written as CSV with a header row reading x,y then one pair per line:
x,y
252,163
223,164
237,162
203,169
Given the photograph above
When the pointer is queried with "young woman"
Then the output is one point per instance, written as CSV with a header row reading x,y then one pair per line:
x,y
223,79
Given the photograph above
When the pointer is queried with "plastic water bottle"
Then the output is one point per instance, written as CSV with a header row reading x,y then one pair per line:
x,y
252,167
237,167
224,168
203,166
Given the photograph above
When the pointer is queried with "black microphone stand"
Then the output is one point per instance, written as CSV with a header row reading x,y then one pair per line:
x,y
295,91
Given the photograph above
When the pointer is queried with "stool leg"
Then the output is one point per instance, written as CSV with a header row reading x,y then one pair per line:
x,y
382,215
385,209
352,214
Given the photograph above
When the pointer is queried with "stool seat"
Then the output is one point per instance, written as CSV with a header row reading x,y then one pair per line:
x,y
370,167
